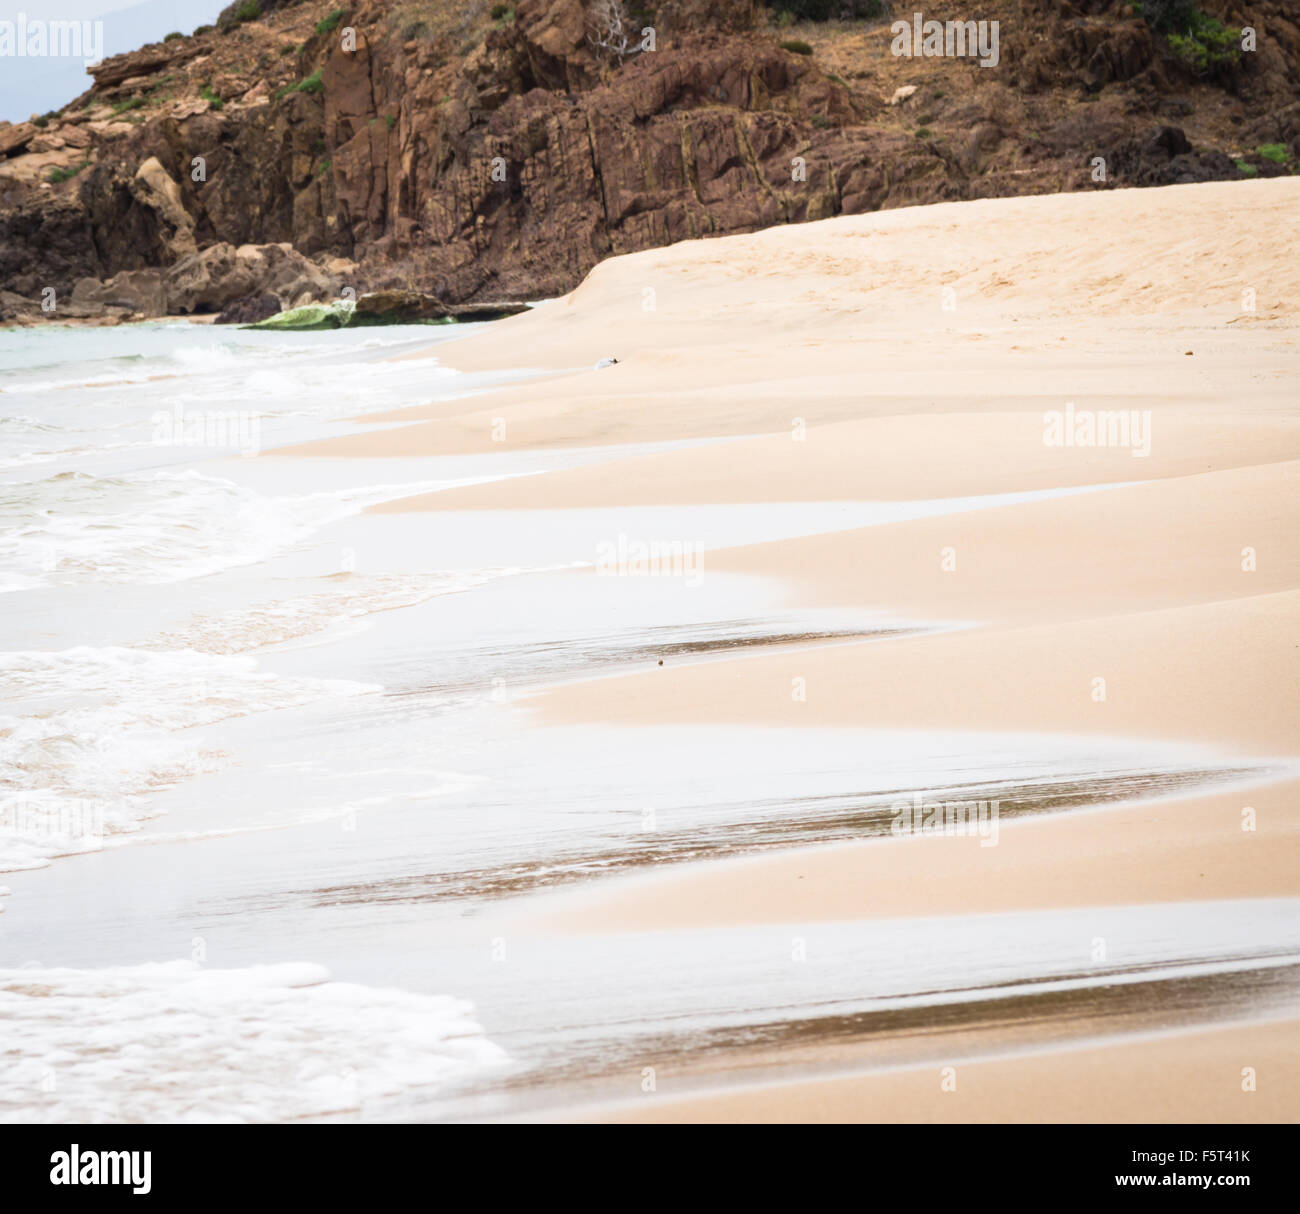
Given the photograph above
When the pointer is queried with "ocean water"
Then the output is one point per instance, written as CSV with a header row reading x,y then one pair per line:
x,y
267,760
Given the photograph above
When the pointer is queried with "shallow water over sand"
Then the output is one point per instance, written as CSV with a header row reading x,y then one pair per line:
x,y
248,724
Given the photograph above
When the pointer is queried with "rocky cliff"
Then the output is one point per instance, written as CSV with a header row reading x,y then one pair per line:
x,y
482,152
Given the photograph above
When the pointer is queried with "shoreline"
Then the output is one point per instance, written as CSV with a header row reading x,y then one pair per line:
x,y
1146,585
1070,627
1177,848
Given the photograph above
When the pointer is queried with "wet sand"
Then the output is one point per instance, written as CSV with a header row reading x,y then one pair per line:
x,y
1164,851
1175,1078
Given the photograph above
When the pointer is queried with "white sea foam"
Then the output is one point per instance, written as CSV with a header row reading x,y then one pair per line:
x,y
206,358
339,609
92,732
19,423
38,387
99,393
157,527
176,1042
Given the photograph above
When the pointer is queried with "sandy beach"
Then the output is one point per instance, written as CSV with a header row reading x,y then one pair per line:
x,y
1169,1081
578,562
920,355
786,668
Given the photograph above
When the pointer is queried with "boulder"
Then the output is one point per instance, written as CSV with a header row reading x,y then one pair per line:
x,y
15,307
14,137
117,69
141,291
249,309
486,311
75,136
398,308
404,307
220,275
20,310
336,315
1166,157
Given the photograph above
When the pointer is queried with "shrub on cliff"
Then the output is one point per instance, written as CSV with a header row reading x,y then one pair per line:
x,y
328,24
1208,47
1168,16
58,175
237,13
312,84
1202,42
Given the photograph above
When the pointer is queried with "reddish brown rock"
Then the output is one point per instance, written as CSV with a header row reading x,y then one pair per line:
x,y
14,137
249,309
466,158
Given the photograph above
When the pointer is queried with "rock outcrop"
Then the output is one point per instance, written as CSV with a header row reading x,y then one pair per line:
x,y
249,309
219,275
488,155
397,307
250,283
142,292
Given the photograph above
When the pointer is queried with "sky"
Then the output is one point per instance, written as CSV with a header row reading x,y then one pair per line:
x,y
34,85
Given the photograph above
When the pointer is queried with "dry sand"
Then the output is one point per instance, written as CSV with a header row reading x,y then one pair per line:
x,y
829,358
1091,298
